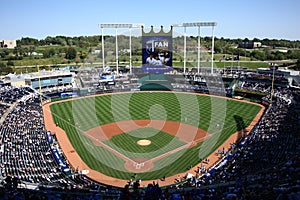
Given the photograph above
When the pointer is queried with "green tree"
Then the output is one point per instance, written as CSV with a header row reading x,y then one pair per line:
x,y
293,54
16,50
256,40
4,53
83,55
25,51
279,56
218,49
31,50
259,55
2,65
10,63
5,69
48,53
71,53
28,41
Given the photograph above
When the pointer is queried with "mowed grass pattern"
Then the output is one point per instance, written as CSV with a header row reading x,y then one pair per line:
x,y
201,111
161,143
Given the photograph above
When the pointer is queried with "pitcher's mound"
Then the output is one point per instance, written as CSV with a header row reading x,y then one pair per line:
x,y
144,142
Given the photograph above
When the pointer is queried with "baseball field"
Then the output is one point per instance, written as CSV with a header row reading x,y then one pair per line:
x,y
151,134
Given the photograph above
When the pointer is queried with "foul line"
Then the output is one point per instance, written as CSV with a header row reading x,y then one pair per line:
x,y
117,153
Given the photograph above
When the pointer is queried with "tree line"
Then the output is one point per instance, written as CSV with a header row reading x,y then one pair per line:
x,y
222,45
77,48
91,41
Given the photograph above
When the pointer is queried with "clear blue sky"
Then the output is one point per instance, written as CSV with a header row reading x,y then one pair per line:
x,y
279,19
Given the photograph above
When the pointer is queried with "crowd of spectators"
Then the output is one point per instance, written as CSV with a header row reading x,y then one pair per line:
x,y
263,165
10,94
254,86
26,154
25,151
3,108
57,89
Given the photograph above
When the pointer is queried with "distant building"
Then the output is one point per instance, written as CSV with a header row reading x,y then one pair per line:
x,y
49,79
249,45
10,44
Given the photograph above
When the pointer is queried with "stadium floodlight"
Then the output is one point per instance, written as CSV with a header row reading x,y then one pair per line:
x,y
120,25
184,45
177,25
194,24
197,24
137,25
116,26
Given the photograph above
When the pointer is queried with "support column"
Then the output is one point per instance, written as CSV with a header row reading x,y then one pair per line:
x,y
102,41
117,53
199,49
130,53
184,51
212,50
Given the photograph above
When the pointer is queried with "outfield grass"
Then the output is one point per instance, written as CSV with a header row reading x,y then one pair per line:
x,y
204,112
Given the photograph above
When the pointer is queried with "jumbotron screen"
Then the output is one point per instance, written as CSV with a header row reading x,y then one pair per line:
x,y
157,51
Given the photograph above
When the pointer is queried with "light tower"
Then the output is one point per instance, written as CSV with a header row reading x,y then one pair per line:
x,y
197,24
116,26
